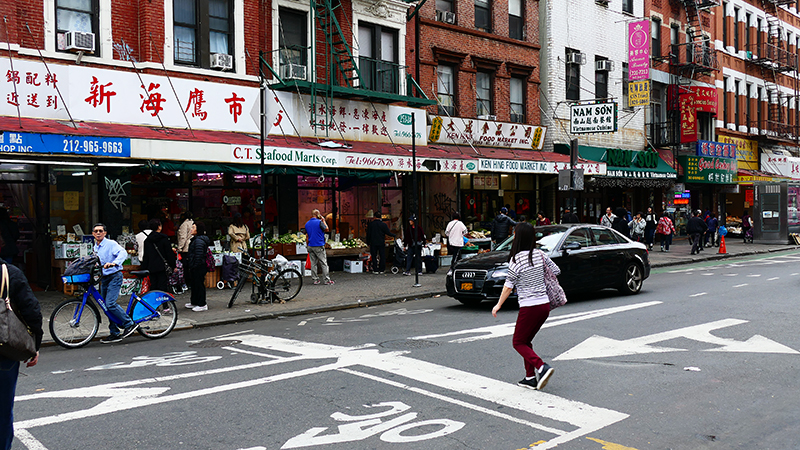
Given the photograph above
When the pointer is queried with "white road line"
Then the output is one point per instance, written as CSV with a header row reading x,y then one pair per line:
x,y
248,352
698,294
27,439
741,285
708,274
219,337
796,273
773,278
731,274
754,275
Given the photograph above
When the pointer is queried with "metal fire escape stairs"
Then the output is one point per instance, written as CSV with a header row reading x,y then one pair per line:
x,y
701,59
335,72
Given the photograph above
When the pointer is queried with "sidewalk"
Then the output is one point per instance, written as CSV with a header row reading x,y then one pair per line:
x,y
353,290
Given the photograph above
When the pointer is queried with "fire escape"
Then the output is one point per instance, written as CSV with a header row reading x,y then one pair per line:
x,y
336,73
689,61
776,63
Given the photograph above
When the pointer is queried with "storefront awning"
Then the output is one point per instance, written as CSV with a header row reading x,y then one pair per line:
x,y
254,169
748,177
655,168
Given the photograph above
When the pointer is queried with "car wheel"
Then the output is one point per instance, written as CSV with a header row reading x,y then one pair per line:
x,y
633,279
470,301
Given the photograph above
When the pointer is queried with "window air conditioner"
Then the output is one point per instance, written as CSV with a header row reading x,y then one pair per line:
x,y
604,65
79,41
576,58
446,17
490,117
293,72
221,61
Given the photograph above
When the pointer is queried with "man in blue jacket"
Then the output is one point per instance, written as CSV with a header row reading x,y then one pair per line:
x,y
112,255
315,230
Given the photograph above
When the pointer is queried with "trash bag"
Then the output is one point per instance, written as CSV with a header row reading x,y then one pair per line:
x,y
230,268
431,263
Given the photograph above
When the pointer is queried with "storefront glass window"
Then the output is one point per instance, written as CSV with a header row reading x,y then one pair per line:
x,y
794,206
71,201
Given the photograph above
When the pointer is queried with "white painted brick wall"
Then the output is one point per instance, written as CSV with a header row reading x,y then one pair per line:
x,y
595,30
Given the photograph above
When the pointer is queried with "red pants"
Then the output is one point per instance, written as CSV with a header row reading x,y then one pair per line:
x,y
529,320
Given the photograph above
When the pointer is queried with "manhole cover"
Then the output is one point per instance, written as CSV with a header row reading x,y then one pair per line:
x,y
406,344
212,344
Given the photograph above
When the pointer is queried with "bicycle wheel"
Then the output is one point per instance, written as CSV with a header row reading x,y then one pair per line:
x,y
237,290
162,324
287,284
70,332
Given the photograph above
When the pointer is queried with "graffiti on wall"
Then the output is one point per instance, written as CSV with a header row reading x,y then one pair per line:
x,y
116,192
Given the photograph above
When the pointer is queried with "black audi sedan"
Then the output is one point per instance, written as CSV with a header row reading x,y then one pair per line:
x,y
591,257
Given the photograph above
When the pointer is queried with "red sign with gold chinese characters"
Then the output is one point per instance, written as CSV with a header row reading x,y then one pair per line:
x,y
688,118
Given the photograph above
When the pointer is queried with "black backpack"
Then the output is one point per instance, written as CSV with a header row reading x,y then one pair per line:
x,y
82,265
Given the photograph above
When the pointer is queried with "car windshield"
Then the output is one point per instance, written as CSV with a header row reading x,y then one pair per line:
x,y
546,239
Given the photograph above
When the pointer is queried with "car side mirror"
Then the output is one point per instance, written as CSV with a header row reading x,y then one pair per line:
x,y
571,246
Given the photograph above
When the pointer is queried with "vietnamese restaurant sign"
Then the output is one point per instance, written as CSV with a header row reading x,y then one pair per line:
x,y
484,133
244,154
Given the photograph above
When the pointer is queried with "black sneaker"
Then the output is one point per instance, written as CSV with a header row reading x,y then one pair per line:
x,y
530,384
111,338
128,331
543,374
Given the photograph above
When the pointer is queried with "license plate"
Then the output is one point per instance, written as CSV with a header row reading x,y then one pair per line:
x,y
466,286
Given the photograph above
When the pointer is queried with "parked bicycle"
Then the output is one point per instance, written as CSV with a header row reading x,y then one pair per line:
x,y
75,322
270,280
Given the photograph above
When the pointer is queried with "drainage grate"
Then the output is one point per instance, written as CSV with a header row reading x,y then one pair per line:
x,y
408,344
213,344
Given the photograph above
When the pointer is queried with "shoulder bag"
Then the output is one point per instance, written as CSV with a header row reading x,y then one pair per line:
x,y
554,290
16,341
167,268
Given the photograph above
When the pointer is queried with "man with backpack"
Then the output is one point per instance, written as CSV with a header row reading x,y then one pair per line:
x,y
112,255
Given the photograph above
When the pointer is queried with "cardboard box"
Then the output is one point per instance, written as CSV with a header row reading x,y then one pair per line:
x,y
353,266
301,249
289,249
445,260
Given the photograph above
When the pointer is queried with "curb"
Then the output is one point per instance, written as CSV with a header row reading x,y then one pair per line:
x,y
718,256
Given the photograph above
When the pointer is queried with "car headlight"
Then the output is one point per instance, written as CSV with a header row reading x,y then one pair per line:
x,y
450,273
501,273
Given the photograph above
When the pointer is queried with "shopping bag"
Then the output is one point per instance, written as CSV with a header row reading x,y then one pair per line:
x,y
308,262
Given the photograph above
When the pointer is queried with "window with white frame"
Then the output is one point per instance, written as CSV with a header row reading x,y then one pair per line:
x,y
202,28
517,99
445,74
79,16
378,57
516,21
483,93
292,37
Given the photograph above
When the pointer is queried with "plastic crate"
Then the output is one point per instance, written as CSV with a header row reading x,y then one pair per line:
x,y
80,278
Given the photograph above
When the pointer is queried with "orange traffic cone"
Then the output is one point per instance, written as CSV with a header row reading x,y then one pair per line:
x,y
722,249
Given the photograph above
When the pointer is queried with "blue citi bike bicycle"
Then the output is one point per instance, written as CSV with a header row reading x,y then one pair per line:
x,y
75,322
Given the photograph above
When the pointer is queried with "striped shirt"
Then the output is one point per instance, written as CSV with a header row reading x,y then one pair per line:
x,y
529,279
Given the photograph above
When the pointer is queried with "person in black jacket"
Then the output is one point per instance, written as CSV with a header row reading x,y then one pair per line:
x,y
10,234
569,216
158,255
620,222
196,264
376,230
501,227
27,307
696,227
414,245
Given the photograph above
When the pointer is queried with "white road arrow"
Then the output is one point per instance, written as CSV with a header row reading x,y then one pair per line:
x,y
603,347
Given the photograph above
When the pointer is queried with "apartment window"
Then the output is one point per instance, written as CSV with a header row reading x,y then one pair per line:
x,y
627,6
655,36
758,35
517,99
573,77
736,29
747,18
483,15
446,93
76,15
515,19
759,107
378,57
625,86
736,104
444,5
600,79
292,36
483,93
202,27
725,22
748,107
726,83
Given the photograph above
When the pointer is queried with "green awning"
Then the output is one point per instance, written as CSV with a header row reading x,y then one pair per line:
x,y
632,168
255,169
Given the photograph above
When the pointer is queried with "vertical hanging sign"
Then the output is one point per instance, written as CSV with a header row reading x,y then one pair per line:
x,y
639,50
688,117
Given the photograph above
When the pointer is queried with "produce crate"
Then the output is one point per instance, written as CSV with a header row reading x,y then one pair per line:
x,y
213,277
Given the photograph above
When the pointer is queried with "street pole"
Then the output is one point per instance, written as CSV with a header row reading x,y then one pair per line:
x,y
415,202
263,97
573,158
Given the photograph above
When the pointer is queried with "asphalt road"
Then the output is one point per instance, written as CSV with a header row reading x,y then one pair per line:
x,y
705,357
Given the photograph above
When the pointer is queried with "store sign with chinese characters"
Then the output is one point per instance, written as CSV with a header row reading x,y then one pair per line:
x,y
698,169
782,165
100,95
57,144
639,50
716,149
483,133
548,167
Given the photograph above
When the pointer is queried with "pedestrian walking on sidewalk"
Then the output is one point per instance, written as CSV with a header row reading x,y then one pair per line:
x,y
25,304
747,227
315,236
650,224
501,227
608,218
526,275
620,222
376,232
666,229
196,263
695,228
159,258
637,227
414,239
455,231
711,234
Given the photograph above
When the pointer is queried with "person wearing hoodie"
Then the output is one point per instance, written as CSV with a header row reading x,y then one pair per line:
x,y
620,222
501,227
158,257
196,263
